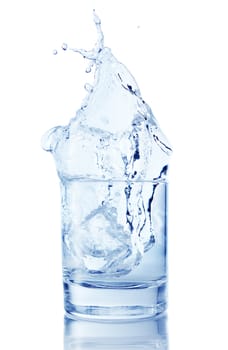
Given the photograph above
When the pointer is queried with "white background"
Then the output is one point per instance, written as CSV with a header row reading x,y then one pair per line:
x,y
178,53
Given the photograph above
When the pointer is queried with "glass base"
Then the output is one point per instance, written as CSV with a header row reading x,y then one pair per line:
x,y
109,302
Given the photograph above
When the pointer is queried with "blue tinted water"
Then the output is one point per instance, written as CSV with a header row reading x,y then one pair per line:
x,y
112,160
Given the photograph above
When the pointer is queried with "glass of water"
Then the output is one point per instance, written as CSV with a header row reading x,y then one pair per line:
x,y
112,161
114,248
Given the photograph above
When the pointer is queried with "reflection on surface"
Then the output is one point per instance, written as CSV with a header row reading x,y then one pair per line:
x,y
146,334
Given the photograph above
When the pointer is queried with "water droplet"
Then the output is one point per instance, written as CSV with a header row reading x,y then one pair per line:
x,y
88,87
64,46
90,66
96,18
88,69
55,52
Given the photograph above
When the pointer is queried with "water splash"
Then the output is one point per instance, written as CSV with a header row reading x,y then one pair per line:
x,y
114,140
